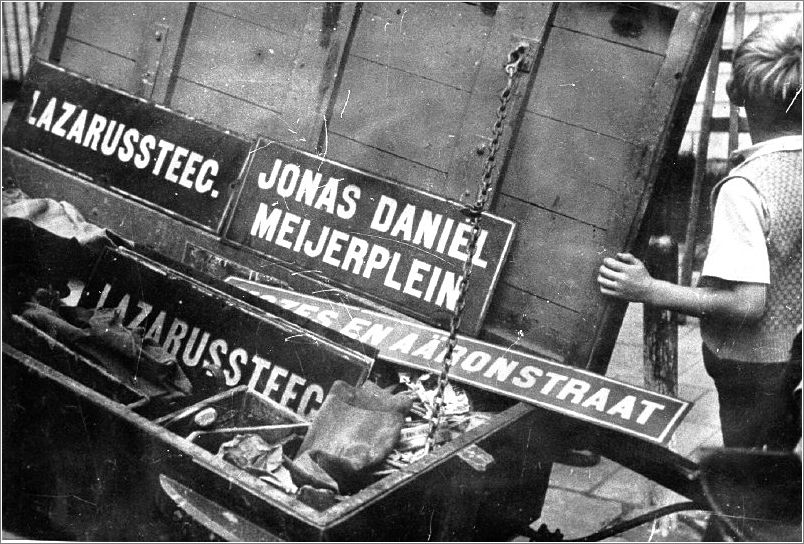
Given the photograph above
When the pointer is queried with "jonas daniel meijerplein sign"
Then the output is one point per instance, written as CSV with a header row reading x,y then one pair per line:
x,y
397,244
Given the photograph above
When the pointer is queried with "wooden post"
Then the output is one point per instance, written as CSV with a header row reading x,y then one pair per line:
x,y
734,111
660,353
700,163
660,330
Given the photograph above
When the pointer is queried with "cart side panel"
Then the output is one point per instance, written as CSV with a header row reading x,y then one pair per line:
x,y
598,118
99,463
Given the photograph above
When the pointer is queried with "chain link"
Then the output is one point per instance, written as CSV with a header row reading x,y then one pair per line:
x,y
515,59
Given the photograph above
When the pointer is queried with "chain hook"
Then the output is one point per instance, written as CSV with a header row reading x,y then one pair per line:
x,y
515,59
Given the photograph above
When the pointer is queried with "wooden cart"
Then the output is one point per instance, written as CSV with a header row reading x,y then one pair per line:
x,y
405,96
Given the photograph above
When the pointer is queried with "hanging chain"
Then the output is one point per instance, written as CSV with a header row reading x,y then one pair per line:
x,y
515,58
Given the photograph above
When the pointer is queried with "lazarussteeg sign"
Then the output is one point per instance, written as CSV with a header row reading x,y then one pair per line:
x,y
275,358
127,144
398,245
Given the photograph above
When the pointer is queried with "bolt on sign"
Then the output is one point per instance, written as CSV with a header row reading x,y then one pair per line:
x,y
126,144
401,246
535,380
275,358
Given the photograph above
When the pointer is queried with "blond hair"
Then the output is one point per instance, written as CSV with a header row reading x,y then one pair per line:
x,y
766,70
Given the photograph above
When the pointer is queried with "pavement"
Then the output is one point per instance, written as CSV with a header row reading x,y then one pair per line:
x,y
581,501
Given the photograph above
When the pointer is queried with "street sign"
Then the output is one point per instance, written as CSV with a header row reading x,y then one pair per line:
x,y
126,144
277,359
395,244
528,378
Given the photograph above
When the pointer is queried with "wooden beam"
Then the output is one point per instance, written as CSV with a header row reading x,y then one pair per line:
x,y
734,111
700,165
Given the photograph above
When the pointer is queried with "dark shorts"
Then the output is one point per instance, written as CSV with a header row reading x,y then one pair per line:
x,y
757,403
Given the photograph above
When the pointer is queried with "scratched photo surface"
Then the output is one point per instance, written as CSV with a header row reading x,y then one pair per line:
x,y
263,199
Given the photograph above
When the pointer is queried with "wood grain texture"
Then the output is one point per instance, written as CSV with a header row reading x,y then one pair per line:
x,y
515,24
398,112
564,168
98,64
118,26
255,63
528,322
282,17
595,84
383,164
233,113
409,91
651,31
554,257
665,112
443,42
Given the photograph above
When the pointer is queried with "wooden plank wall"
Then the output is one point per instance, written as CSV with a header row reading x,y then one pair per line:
x,y
104,39
407,83
253,67
568,180
242,85
409,91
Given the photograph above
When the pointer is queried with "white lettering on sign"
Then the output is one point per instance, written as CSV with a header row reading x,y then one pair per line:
x,y
159,157
375,244
356,255
192,346
488,366
307,188
423,228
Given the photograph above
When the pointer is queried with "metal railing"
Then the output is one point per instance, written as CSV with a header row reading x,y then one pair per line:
x,y
20,20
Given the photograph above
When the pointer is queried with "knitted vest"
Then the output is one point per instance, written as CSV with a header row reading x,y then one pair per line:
x,y
777,177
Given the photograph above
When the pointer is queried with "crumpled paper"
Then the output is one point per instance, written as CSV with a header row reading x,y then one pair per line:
x,y
256,456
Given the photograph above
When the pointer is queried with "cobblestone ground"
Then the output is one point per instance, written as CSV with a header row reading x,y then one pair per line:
x,y
581,501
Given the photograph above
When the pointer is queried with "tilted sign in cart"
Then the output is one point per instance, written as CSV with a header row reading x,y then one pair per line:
x,y
279,360
529,378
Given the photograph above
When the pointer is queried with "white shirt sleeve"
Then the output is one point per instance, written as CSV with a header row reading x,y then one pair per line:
x,y
738,250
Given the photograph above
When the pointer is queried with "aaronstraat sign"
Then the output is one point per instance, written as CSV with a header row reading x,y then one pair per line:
x,y
521,376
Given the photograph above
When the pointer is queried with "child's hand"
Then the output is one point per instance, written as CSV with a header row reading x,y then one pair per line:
x,y
625,277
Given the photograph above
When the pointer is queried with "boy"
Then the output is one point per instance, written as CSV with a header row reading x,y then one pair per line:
x,y
749,296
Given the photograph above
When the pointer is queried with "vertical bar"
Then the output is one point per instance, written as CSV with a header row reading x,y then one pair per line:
x,y
700,163
60,33
28,25
734,111
173,77
6,42
15,11
659,327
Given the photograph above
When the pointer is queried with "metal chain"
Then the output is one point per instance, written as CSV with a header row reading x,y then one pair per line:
x,y
515,58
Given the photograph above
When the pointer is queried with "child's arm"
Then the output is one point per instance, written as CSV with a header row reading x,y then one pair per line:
x,y
627,278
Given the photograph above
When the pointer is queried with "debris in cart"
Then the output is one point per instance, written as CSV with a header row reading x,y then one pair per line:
x,y
100,335
353,432
360,435
253,454
287,361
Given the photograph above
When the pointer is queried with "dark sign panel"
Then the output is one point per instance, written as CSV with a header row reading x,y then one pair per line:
x,y
528,378
401,246
274,357
129,145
